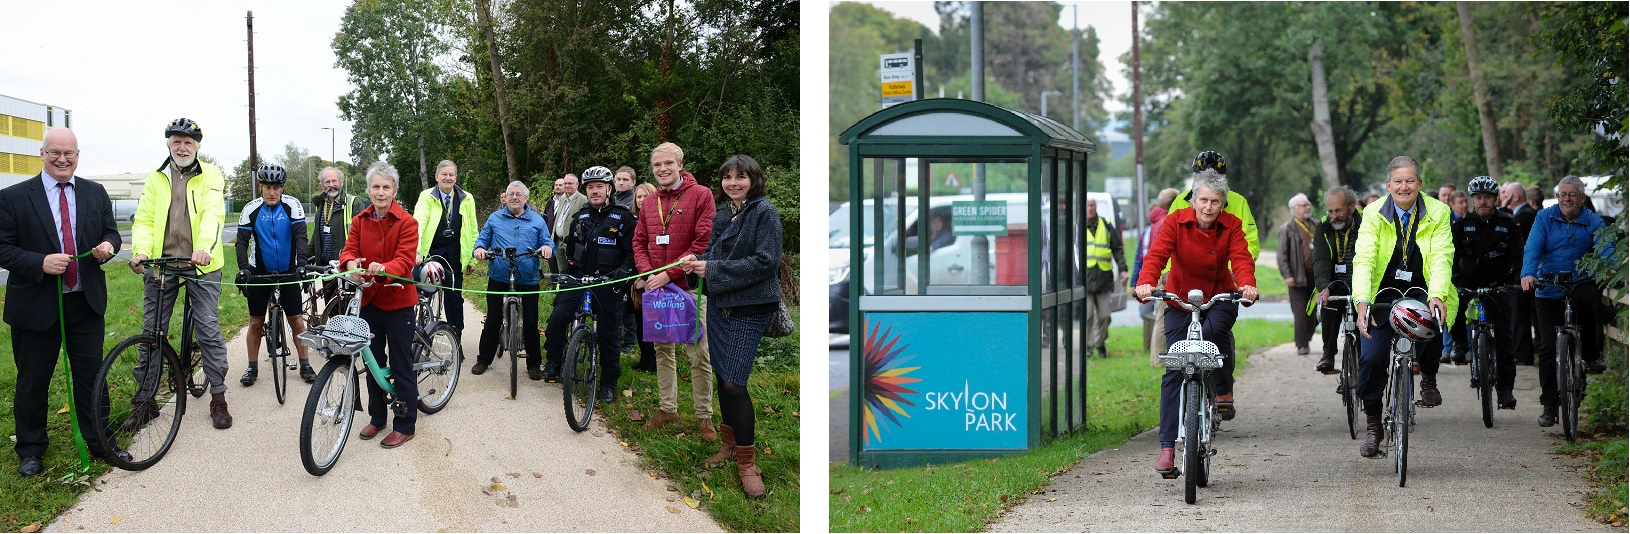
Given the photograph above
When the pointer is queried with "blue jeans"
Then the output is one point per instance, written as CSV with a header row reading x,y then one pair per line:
x,y
1217,326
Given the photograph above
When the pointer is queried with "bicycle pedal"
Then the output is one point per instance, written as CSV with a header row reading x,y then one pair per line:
x,y
1330,372
1174,473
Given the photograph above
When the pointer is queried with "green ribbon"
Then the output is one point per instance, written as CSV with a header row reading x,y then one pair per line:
x,y
449,288
68,383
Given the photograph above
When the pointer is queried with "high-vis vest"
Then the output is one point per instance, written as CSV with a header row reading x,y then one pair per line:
x,y
1098,253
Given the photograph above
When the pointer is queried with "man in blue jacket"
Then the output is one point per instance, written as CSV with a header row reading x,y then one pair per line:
x,y
1561,235
520,227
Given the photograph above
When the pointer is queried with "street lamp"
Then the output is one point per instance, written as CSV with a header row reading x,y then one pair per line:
x,y
331,156
1044,100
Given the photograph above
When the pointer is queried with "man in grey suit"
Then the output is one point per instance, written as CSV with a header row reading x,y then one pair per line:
x,y
44,222
558,213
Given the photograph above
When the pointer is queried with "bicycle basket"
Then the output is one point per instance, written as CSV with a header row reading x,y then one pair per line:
x,y
342,335
1203,354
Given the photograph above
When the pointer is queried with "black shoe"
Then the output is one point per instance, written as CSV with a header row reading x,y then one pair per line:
x,y
30,466
249,375
1547,417
1326,365
604,396
1507,401
1301,351
534,374
306,372
1444,359
478,368
1429,394
120,453
1595,367
1371,447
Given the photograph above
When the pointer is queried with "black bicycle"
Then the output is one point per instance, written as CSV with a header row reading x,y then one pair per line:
x,y
1480,344
580,368
1570,373
509,344
1347,379
140,401
1196,358
275,329
1398,416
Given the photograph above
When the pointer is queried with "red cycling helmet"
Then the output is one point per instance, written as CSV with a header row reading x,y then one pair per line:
x,y
1413,320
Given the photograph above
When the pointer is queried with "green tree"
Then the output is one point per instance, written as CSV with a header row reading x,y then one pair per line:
x,y
390,51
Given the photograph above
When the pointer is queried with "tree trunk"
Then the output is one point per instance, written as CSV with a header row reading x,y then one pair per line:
x,y
418,115
664,99
1491,145
1321,117
498,92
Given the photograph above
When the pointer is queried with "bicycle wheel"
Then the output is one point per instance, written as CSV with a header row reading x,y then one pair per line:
x,y
277,358
1568,385
1191,439
138,407
326,422
1483,370
512,345
1402,418
1348,383
579,373
437,361
1209,424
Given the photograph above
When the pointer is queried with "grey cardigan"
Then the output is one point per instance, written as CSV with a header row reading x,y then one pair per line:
x,y
744,255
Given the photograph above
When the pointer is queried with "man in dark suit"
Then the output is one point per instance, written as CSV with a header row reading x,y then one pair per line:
x,y
35,215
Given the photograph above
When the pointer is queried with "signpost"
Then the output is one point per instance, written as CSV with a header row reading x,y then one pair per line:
x,y
979,217
899,75
1118,187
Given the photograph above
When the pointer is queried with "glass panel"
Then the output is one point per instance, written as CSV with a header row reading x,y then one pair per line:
x,y
945,123
972,238
885,209
1049,238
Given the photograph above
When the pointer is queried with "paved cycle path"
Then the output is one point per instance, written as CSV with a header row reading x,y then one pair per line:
x,y
249,477
1287,464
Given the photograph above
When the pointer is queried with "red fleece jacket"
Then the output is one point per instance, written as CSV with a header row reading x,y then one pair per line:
x,y
392,241
1199,258
685,215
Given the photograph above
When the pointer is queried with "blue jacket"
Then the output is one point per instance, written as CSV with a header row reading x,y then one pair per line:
x,y
1554,245
525,232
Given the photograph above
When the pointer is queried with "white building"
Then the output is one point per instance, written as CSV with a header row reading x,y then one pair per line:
x,y
22,129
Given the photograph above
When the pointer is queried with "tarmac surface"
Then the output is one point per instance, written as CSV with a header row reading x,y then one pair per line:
x,y
249,477
1287,464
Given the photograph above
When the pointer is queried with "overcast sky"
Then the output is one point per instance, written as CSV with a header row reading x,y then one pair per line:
x,y
1113,20
126,69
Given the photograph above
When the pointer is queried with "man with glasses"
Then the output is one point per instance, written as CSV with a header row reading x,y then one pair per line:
x,y
1333,244
447,228
335,209
1561,235
516,226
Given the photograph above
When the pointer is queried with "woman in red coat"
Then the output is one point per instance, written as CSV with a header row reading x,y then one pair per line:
x,y
384,239
1203,243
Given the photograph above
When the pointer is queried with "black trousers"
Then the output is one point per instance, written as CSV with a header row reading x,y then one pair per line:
x,y
36,354
1330,328
452,300
1525,327
393,346
1216,326
1303,323
491,331
1548,313
1500,313
608,316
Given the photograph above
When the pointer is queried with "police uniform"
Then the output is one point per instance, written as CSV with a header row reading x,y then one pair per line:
x,y
1489,253
600,243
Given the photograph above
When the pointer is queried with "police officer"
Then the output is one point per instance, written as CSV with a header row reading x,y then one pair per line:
x,y
1488,252
600,242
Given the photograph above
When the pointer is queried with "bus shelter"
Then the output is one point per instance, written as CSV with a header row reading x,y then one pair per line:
x,y
967,298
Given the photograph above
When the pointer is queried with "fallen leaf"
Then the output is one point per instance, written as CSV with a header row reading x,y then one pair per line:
x,y
672,487
623,443
672,509
498,487
589,472
628,393
864,509
496,480
769,409
513,503
795,414
64,409
635,415
116,520
487,490
513,474
839,491
32,527
693,503
1053,499
707,490
1004,497
501,502
536,474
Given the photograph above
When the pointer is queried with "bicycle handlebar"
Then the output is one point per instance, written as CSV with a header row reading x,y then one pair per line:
x,y
509,253
170,262
1481,291
585,280
1232,296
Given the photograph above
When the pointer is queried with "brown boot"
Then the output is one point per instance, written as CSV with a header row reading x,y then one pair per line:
x,y
708,434
1371,447
217,412
752,480
661,419
727,448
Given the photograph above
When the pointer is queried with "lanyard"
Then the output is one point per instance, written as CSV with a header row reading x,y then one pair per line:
x,y
447,208
1341,245
664,217
1409,232
1303,227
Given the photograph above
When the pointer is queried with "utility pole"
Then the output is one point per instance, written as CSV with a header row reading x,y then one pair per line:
x,y
1075,68
332,157
1044,100
254,155
1137,124
981,244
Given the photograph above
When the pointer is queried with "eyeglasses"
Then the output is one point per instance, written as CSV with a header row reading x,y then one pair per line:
x,y
1570,194
54,154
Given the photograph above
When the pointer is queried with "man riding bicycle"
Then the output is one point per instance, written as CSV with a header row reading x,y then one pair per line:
x,y
1403,243
1208,252
1333,243
520,227
271,238
1561,235
600,242
184,217
1487,254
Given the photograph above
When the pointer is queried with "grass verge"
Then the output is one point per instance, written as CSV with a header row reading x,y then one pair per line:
x,y
40,499
1607,472
1124,393
1268,281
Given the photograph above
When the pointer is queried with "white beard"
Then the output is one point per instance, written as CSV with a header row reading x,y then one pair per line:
x,y
1339,225
333,194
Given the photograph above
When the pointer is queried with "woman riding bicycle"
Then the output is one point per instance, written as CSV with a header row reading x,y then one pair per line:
x,y
1403,242
1202,243
383,240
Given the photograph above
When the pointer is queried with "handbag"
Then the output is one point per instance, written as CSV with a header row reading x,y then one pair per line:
x,y
780,324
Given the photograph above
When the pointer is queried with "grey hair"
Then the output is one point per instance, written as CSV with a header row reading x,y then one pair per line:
x,y
517,183
1571,180
1401,162
1348,197
330,168
1210,179
1299,199
573,177
385,170
446,163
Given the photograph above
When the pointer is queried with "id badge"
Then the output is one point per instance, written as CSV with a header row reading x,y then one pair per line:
x,y
325,229
1341,268
662,239
1404,276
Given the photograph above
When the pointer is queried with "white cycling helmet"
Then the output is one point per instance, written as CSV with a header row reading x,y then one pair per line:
x,y
1413,320
430,272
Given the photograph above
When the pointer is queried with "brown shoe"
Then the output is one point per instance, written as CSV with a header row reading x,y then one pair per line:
x,y
1371,447
218,413
708,434
661,419
368,432
727,448
395,439
752,479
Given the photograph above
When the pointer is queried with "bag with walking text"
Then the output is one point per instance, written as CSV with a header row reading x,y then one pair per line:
x,y
670,315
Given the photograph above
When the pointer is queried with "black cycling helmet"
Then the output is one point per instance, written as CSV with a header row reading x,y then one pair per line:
x,y
1483,185
271,175
1210,160
184,126
596,174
